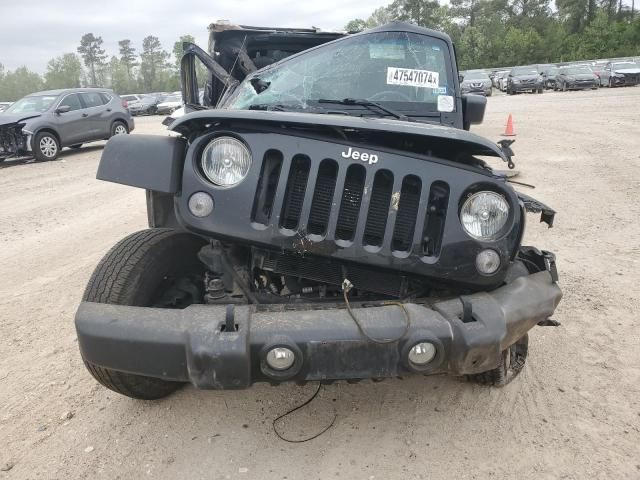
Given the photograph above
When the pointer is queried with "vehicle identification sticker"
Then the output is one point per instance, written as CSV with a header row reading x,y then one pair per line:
x,y
412,78
445,103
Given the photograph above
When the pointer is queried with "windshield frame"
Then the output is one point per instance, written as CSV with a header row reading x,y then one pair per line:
x,y
415,108
11,108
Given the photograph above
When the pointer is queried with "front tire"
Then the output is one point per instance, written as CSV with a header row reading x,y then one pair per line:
x,y
136,271
119,128
511,364
46,147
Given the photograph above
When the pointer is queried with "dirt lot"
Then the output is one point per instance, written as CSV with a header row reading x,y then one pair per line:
x,y
574,413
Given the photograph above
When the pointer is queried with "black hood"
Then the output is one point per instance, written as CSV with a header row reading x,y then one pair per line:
x,y
7,119
460,140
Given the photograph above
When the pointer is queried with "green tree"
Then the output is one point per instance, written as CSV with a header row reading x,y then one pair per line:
x,y
63,72
128,59
427,13
119,76
153,63
18,83
93,54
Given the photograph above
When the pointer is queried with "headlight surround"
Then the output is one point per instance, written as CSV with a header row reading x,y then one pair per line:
x,y
484,214
226,161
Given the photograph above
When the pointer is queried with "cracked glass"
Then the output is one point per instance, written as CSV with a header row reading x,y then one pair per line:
x,y
394,68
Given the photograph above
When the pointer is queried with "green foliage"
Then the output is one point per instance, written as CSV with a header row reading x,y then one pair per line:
x,y
127,62
15,85
63,72
497,33
93,54
153,63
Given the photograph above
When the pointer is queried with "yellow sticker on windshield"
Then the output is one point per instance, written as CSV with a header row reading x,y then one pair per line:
x,y
412,78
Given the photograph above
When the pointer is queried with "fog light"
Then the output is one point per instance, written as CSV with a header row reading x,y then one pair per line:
x,y
488,262
200,204
422,353
280,358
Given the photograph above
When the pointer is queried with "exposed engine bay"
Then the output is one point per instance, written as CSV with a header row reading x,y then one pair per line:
x,y
12,140
235,274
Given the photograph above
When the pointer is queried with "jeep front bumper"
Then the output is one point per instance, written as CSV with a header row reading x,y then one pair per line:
x,y
193,345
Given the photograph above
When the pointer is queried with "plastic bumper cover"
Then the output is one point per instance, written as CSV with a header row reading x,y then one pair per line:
x,y
191,345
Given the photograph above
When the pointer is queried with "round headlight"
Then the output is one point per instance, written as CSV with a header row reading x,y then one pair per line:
x,y
226,161
484,214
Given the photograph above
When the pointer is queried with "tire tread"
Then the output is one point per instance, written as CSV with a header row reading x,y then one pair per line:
x,y
109,284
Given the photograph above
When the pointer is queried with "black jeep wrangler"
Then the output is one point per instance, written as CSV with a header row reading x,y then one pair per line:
x,y
331,219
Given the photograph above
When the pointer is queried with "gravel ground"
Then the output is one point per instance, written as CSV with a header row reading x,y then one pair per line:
x,y
574,412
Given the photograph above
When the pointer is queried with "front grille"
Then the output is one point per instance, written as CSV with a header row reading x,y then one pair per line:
x,y
351,204
378,208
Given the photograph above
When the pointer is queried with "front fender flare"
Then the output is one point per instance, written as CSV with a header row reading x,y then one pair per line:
x,y
151,162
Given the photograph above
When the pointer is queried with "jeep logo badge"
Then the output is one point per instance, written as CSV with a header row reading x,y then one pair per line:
x,y
363,156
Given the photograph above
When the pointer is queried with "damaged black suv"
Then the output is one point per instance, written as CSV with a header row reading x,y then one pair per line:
x,y
331,219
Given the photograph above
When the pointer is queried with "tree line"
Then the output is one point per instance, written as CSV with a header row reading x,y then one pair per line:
x,y
502,33
153,69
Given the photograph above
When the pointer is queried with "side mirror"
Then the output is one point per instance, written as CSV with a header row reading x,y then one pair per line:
x,y
473,108
63,109
460,78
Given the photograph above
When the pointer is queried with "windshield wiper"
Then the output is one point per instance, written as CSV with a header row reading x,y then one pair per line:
x,y
267,106
367,103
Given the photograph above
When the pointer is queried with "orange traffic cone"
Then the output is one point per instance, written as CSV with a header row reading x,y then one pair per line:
x,y
509,132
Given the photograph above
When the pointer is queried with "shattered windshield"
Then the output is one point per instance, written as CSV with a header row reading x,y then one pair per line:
x,y
32,104
395,68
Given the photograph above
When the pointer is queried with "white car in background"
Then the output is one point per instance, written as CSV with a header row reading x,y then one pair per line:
x,y
169,105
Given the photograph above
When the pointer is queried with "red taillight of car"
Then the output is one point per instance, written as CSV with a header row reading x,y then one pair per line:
x,y
125,104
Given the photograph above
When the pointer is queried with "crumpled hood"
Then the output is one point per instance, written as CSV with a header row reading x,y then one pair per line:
x,y
14,118
461,140
628,70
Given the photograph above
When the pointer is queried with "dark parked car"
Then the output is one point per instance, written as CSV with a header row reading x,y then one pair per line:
x,y
42,123
332,219
620,74
549,75
142,104
524,79
477,82
576,78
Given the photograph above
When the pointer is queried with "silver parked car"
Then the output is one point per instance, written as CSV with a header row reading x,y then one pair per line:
x,y
477,82
42,123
